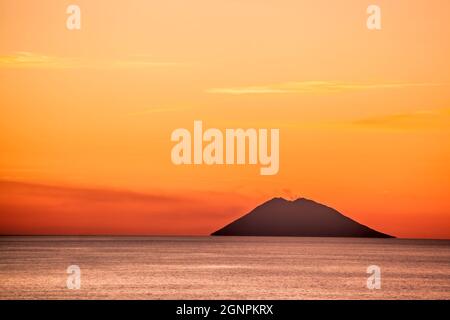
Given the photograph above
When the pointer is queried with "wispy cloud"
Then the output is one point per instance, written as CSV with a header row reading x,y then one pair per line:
x,y
31,60
141,64
34,60
157,110
315,87
425,119
432,119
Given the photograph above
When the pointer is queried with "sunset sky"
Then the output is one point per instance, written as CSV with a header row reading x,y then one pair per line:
x,y
86,115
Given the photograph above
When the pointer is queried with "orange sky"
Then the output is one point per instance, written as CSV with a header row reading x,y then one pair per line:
x,y
86,116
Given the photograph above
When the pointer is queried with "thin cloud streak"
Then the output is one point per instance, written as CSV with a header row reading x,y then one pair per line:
x,y
157,110
31,60
425,119
312,87
433,119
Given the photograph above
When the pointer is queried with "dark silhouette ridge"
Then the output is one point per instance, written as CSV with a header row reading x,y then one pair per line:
x,y
298,218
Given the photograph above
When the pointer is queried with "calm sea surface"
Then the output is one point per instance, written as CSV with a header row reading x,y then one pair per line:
x,y
222,268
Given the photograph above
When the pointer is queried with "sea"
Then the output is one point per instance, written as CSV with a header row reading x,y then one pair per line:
x,y
98,267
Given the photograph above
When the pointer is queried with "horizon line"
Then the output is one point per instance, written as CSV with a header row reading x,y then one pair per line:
x,y
203,236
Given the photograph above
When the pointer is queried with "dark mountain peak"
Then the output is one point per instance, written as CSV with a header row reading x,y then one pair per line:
x,y
300,217
287,201
277,200
297,203
306,201
274,202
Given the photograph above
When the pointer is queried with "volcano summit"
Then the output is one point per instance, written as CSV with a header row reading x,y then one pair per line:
x,y
298,218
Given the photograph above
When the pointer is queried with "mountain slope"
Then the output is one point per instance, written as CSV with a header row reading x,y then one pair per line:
x,y
302,218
